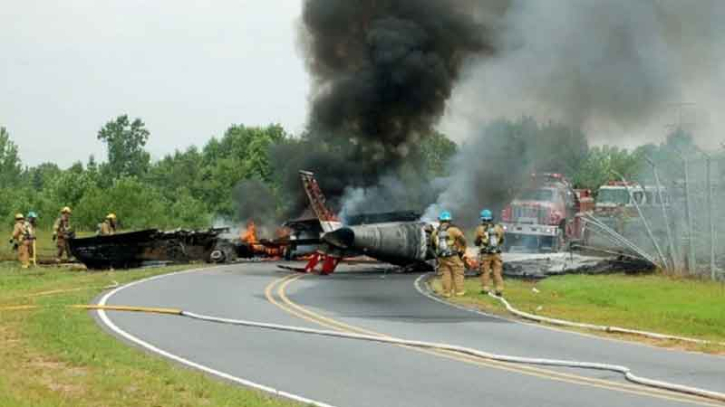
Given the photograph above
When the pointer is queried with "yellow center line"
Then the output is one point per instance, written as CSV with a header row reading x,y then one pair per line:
x,y
294,309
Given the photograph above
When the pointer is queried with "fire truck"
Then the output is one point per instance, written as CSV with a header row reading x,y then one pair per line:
x,y
616,208
545,216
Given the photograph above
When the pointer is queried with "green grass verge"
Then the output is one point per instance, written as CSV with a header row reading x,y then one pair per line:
x,y
56,356
655,303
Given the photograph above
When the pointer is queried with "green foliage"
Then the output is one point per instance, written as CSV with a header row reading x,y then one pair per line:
x,y
136,204
668,156
437,150
189,211
125,141
602,164
10,165
183,189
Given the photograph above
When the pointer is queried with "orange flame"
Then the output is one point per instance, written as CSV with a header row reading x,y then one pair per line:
x,y
249,235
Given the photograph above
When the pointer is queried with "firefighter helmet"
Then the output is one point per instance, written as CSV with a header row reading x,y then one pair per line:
x,y
66,210
111,216
19,216
445,216
32,215
486,215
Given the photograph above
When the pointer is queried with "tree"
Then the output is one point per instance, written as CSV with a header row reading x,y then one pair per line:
x,y
606,163
10,165
436,150
125,141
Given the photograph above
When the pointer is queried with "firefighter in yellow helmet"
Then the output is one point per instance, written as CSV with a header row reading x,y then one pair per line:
x,y
24,238
62,232
108,227
489,239
450,248
18,240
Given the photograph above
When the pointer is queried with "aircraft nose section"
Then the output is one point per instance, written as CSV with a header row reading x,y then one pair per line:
x,y
343,238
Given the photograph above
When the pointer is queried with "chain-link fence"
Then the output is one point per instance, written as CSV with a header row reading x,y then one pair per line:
x,y
673,216
700,194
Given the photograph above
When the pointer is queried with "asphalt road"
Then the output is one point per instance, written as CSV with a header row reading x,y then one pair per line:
x,y
344,372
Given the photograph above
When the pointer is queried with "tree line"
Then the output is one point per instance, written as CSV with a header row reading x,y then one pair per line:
x,y
194,187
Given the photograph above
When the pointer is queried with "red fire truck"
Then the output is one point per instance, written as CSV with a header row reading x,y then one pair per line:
x,y
546,215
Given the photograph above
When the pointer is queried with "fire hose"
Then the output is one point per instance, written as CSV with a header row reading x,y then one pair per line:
x,y
603,328
625,371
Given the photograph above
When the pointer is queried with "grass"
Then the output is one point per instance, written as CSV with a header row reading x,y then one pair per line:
x,y
683,307
56,356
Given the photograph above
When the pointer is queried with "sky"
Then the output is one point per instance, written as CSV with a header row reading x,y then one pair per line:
x,y
192,68
188,68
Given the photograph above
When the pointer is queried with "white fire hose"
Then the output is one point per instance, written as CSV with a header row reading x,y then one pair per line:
x,y
472,352
603,328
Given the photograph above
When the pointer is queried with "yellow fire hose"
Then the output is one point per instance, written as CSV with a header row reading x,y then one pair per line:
x,y
35,254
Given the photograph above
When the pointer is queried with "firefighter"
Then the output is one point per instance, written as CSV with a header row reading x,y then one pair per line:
x,y
450,248
18,240
24,238
489,240
29,232
62,232
108,227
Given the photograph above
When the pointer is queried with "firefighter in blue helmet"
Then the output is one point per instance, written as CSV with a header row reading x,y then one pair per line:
x,y
450,248
489,240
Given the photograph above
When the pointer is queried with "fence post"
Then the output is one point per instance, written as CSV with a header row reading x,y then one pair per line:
x,y
710,218
691,263
673,251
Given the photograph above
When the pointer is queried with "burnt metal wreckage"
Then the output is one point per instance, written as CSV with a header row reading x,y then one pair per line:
x,y
403,239
146,247
398,238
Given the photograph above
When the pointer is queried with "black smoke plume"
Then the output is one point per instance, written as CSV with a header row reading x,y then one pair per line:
x,y
382,73
255,201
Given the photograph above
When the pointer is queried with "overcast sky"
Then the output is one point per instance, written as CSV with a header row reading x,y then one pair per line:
x,y
188,68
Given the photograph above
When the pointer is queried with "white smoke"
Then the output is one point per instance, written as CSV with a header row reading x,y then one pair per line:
x,y
615,68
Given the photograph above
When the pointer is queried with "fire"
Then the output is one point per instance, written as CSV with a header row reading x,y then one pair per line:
x,y
259,247
249,235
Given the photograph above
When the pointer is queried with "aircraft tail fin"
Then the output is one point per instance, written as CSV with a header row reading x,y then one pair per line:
x,y
328,220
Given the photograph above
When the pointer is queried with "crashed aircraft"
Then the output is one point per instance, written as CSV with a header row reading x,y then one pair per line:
x,y
405,241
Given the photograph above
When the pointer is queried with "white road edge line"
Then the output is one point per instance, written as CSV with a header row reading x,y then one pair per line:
x,y
248,383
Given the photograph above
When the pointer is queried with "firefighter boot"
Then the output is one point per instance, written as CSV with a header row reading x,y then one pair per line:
x,y
23,255
459,278
485,274
447,277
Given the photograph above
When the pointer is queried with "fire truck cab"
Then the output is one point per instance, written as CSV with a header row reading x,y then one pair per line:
x,y
544,216
615,197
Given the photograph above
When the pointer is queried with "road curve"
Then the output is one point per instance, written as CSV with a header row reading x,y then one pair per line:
x,y
343,372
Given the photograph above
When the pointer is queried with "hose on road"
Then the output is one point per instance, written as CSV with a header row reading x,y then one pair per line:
x,y
625,371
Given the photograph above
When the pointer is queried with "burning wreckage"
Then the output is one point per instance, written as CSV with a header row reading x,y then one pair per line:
x,y
398,238
403,239
153,246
